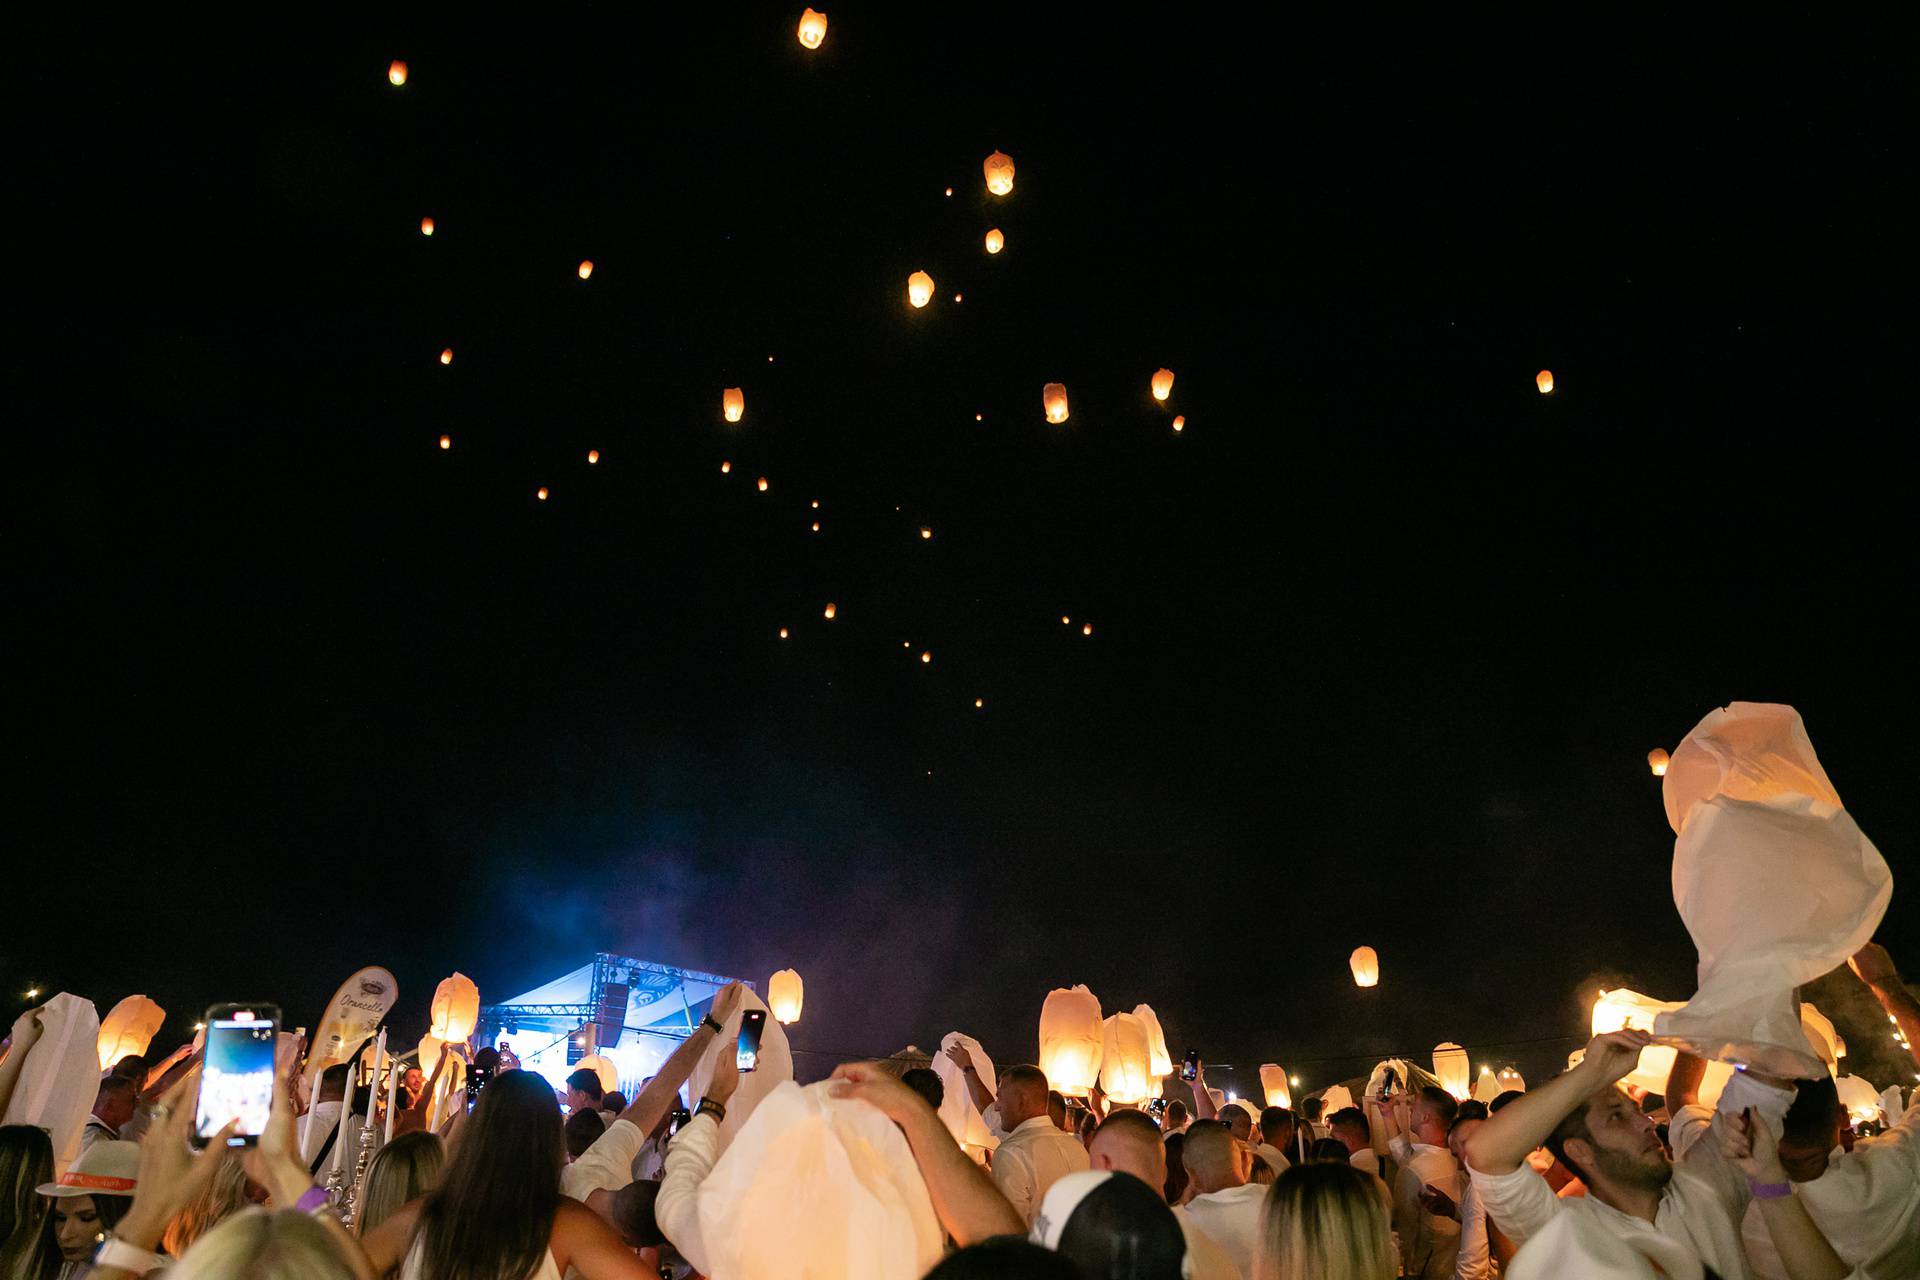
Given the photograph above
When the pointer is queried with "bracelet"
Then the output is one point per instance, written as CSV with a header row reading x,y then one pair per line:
x,y
709,1022
708,1107
1770,1190
312,1200
114,1252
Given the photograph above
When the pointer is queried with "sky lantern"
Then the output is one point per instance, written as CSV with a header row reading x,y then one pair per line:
x,y
979,703
446,355
1065,620
830,611
816,504
1273,1083
541,493
586,268
1054,397
603,1068
995,241
456,1008
1365,963
1509,1078
1072,1038
783,633
1544,381
925,532
926,655
397,73
733,403
999,170
726,468
1126,1059
1657,761
1159,1061
1163,384
1452,1069
446,442
130,1028
1086,628
426,226
816,526
593,456
919,288
813,29
1179,423
785,991
763,484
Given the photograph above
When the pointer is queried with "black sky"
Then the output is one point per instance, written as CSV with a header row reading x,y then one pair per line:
x,y
1381,640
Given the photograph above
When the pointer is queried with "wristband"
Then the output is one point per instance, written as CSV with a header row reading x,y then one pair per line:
x,y
708,1107
127,1257
1769,1190
709,1022
312,1200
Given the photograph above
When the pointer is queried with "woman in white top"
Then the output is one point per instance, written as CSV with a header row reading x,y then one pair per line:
x,y
498,1213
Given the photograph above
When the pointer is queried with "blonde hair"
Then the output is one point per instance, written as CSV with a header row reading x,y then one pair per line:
x,y
404,1170
1323,1222
255,1244
225,1194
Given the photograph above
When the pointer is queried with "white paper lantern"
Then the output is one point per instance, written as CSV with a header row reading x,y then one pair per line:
x,y
785,994
1159,1061
1452,1069
1861,1099
603,1068
1365,963
1273,1083
1071,1039
129,1028
456,1008
1126,1058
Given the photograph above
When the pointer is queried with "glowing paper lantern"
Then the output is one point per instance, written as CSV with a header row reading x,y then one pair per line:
x,y
1365,963
1086,628
725,468
130,1028
1485,1086
541,493
1054,397
1159,1061
926,656
763,484
446,442
1163,384
733,403
602,1067
1179,423
426,226
1622,1010
593,456
1072,1038
1860,1099
785,991
1544,381
456,1008
1336,1098
783,633
1657,761
397,73
925,532
919,288
586,269
1126,1057
1273,1083
995,241
446,356
813,28
1452,1070
830,611
999,170
1509,1079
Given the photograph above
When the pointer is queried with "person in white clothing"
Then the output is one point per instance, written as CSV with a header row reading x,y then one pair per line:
x,y
1634,1189
1129,1142
1349,1125
1034,1153
1276,1144
1222,1204
1414,1127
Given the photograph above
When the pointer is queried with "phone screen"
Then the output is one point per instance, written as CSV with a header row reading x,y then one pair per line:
x,y
1190,1069
752,1023
236,1079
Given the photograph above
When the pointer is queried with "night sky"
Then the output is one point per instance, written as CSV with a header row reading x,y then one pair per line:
x,y
1380,641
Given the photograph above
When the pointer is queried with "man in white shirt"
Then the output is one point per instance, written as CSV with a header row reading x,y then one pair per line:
x,y
1129,1142
1475,1259
1276,1139
1429,1242
1634,1190
1349,1125
1034,1152
1222,1204
113,1107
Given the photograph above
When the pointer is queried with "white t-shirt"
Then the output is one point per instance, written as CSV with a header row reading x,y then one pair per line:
x,y
1231,1219
1206,1260
1868,1202
1429,1243
1031,1159
1271,1154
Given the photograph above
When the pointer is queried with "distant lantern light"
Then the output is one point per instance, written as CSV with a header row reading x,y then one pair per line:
x,y
995,241
725,468
1657,761
959,297
919,288
1179,423
949,191
446,355
733,403
1365,963
830,611
979,417
541,493
1544,381
763,484
1065,621
586,268
1273,1084
1054,396
446,442
816,526
426,226
978,703
397,73
813,29
593,456
925,532
783,633
816,504
999,170
1086,629
926,655
785,991
1163,384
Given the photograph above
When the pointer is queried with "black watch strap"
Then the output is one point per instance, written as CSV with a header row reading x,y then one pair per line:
x,y
708,1107
709,1022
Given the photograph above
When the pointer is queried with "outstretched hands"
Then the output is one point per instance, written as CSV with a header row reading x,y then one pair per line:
x,y
1616,1053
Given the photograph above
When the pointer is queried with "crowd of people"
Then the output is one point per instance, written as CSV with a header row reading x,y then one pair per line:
x,y
1578,1177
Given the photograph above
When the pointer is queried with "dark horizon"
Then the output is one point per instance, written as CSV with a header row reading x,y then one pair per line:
x,y
1381,638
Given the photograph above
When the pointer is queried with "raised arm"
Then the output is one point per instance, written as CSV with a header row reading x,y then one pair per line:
x,y
976,1087
1502,1144
1875,968
1203,1108
1683,1082
969,1206
26,1033
1749,1145
656,1097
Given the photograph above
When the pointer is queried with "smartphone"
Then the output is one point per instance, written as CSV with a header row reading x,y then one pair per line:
x,y
752,1023
1157,1106
1390,1081
236,1076
1190,1069
486,1064
681,1118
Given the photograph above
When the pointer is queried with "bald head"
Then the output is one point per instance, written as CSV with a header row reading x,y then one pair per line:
x,y
1128,1142
1022,1095
1212,1157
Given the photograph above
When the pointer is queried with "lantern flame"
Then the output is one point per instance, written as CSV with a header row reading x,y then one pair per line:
x,y
1163,384
763,484
783,633
426,226
593,456
919,288
1054,397
733,403
725,467
831,610
995,241
446,356
541,493
1544,381
1657,761
999,170
1179,423
586,269
926,655
813,29
397,73
446,442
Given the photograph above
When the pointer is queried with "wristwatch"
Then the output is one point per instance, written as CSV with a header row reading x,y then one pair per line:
x,y
709,1022
127,1257
708,1107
